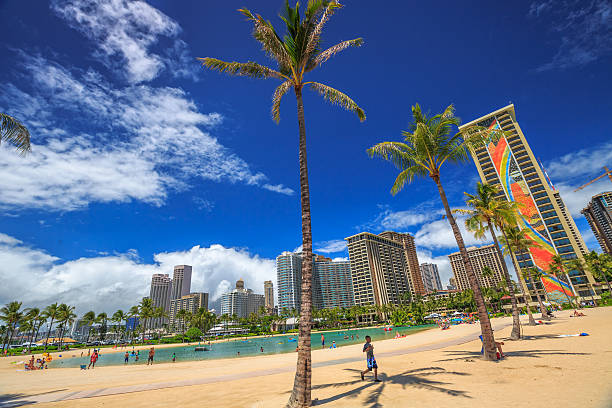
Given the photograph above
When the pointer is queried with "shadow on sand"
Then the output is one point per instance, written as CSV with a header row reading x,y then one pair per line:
x,y
18,400
417,378
470,355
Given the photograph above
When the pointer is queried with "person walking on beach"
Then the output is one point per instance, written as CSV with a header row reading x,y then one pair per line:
x,y
322,341
368,348
173,357
151,355
127,357
92,360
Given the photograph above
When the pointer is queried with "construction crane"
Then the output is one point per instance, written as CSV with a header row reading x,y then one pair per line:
x,y
607,173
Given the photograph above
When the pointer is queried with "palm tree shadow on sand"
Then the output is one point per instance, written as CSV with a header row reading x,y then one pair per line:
x,y
18,400
417,378
455,355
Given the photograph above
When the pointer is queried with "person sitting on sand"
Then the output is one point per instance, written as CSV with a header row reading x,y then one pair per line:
x,y
500,353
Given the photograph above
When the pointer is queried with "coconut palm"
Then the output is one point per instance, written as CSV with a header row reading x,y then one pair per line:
x,y
486,212
65,317
32,316
13,132
600,266
102,318
181,315
514,240
296,54
12,315
133,313
145,312
532,275
427,146
556,266
119,317
50,312
88,320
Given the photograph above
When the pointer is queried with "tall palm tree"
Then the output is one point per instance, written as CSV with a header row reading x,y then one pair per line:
x,y
556,265
486,212
533,275
514,240
50,312
427,146
12,315
119,317
133,313
32,316
88,320
296,54
102,318
13,132
145,312
65,317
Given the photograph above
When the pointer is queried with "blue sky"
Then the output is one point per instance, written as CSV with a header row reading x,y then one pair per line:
x,y
142,160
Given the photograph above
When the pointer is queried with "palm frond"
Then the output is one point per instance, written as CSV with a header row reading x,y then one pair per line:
x,y
315,36
406,177
336,97
13,132
271,43
395,152
249,69
279,92
331,51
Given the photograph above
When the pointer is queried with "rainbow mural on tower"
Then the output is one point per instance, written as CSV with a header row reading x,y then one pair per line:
x,y
516,190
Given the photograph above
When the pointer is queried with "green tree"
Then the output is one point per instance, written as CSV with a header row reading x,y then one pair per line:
x,y
145,313
203,319
12,315
297,53
50,313
600,266
102,319
118,318
88,320
13,132
533,275
486,212
427,146
557,265
32,316
65,317
514,240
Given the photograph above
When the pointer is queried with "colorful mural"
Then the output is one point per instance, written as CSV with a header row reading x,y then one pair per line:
x,y
516,189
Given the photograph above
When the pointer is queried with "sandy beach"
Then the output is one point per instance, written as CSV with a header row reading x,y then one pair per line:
x,y
430,368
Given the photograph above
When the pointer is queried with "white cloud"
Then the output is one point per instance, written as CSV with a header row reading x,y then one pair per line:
x,y
438,235
584,29
340,259
575,201
107,283
581,165
123,32
330,247
393,220
140,141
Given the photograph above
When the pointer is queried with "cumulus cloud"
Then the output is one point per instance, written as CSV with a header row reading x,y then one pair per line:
x,y
110,282
439,235
331,247
124,31
140,142
584,28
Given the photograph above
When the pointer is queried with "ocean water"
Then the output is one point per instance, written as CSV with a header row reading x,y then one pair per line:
x,y
230,348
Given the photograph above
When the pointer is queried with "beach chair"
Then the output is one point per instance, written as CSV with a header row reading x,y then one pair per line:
x,y
83,366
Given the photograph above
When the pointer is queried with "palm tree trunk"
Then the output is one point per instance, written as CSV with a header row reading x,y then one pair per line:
x,y
564,291
542,308
49,332
35,336
517,270
488,340
301,394
516,322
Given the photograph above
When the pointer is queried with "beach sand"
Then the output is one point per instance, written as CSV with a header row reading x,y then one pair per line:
x,y
430,368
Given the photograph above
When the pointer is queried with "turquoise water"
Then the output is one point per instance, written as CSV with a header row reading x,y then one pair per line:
x,y
249,347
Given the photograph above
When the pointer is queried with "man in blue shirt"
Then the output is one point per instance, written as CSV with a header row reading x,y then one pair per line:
x,y
368,348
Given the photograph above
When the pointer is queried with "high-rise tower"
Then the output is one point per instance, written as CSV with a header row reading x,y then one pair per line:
x,y
485,256
507,161
161,287
181,281
269,295
599,215
431,277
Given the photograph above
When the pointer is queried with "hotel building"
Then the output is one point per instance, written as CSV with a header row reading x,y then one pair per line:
x,y
161,288
431,277
269,295
181,281
241,301
191,303
507,161
331,282
380,269
479,257
599,215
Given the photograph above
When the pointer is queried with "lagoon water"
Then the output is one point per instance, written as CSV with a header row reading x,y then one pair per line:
x,y
230,348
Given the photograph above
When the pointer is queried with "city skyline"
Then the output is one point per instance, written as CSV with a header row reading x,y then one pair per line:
x,y
124,213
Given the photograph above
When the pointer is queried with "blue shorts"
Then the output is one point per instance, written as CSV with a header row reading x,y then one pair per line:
x,y
372,363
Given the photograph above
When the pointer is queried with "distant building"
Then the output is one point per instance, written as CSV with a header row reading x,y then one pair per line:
x,y
131,323
431,277
413,272
269,295
160,294
379,269
486,255
181,281
331,282
191,303
241,301
599,215
452,284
